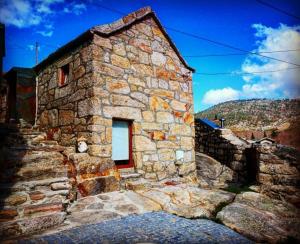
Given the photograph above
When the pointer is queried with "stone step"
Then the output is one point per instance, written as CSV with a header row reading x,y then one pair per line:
x,y
30,157
30,185
126,176
27,210
33,197
41,147
135,185
37,171
30,225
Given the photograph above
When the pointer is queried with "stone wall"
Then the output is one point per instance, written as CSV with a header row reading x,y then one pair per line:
x,y
3,103
142,79
278,173
224,146
133,74
58,113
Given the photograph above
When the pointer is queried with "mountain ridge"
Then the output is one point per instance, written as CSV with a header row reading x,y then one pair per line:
x,y
257,118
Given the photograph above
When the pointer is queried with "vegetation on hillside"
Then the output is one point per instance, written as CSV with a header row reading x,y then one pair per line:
x,y
257,118
254,113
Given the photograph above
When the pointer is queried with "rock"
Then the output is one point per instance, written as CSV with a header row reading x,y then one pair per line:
x,y
157,103
180,129
261,218
120,61
126,101
41,223
127,208
94,216
36,195
100,150
211,173
164,117
119,49
186,168
16,199
158,58
60,186
142,143
41,208
122,112
90,106
118,87
102,42
97,185
189,202
66,117
8,214
176,105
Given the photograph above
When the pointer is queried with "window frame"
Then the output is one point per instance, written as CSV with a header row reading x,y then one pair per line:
x,y
130,163
64,75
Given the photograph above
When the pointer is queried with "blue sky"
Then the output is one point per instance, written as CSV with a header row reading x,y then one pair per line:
x,y
244,24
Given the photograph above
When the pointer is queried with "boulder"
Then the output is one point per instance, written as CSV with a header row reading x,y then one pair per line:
x,y
211,173
261,218
188,201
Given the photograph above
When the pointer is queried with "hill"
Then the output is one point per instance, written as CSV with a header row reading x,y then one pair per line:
x,y
260,117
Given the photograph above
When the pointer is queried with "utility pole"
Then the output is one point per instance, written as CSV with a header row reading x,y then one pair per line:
x,y
36,52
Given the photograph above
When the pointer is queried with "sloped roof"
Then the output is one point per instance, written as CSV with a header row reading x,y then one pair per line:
x,y
208,122
109,30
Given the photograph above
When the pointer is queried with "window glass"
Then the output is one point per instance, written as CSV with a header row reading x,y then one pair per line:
x,y
120,140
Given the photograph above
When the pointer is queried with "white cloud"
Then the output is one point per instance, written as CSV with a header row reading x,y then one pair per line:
x,y
45,33
76,9
27,13
285,83
215,96
18,13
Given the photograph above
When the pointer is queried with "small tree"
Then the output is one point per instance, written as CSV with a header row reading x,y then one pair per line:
x,y
252,136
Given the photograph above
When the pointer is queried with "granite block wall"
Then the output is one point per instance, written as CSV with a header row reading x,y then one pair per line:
x,y
134,74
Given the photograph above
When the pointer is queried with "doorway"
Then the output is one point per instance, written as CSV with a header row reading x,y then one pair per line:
x,y
122,143
251,164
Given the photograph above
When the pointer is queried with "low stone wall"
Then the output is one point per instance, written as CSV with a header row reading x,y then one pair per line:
x,y
3,104
278,172
224,146
92,175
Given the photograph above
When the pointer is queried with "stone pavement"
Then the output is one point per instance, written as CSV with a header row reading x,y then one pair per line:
x,y
156,227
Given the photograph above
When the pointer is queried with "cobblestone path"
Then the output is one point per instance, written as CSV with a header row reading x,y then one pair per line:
x,y
156,227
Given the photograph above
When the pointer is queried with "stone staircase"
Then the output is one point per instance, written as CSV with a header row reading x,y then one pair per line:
x,y
132,180
34,182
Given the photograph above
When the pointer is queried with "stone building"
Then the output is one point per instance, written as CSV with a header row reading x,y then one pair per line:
x,y
125,89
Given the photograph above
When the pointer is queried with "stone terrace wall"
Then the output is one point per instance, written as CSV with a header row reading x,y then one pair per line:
x,y
224,146
140,77
279,172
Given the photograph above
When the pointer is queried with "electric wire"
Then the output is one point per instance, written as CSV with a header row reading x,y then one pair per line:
x,y
278,9
203,38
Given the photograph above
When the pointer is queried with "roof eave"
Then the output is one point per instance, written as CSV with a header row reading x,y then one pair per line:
x,y
62,50
89,34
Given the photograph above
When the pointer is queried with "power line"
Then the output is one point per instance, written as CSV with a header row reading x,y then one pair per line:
x,y
203,38
278,9
110,9
237,54
228,45
246,73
